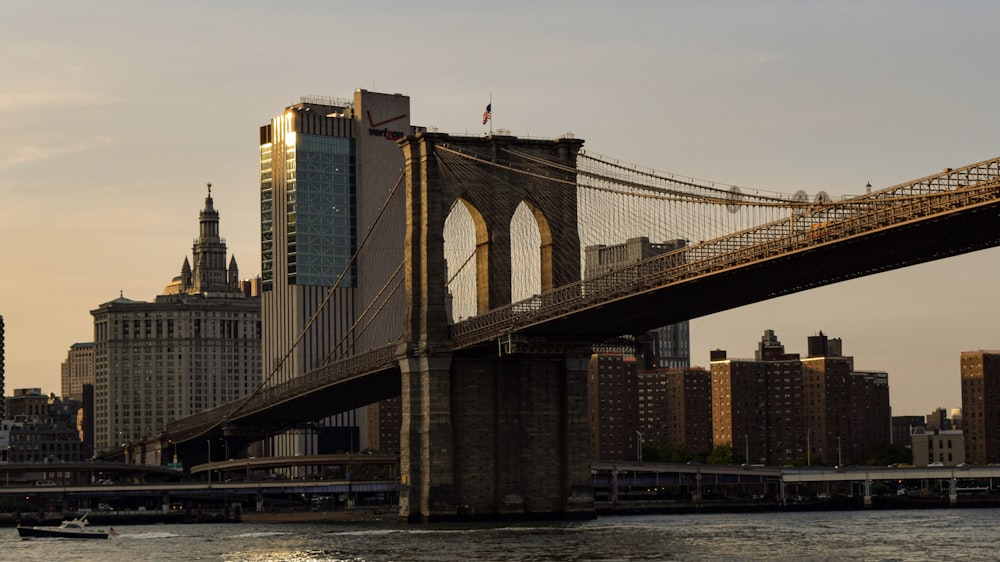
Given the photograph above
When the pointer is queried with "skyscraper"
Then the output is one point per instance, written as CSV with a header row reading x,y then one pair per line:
x,y
330,243
197,346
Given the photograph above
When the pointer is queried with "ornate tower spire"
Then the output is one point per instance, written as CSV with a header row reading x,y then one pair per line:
x,y
210,275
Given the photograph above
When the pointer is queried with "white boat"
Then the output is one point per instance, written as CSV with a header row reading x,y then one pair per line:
x,y
69,529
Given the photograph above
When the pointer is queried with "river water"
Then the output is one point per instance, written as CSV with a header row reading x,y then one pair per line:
x,y
905,535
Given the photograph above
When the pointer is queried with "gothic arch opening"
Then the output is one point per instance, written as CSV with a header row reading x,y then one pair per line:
x,y
525,254
466,251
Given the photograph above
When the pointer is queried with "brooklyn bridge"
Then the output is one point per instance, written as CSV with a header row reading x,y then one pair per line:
x,y
498,319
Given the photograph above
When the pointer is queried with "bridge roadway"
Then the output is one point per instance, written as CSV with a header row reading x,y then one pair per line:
x,y
930,218
271,463
83,472
245,487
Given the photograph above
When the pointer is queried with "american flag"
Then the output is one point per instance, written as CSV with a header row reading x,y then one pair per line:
x,y
488,114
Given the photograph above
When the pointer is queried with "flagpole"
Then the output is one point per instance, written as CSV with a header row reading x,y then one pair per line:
x,y
491,114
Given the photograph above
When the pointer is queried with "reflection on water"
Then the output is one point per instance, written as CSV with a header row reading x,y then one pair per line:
x,y
952,534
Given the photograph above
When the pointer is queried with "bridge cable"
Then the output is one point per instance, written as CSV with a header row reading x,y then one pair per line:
x,y
244,400
351,331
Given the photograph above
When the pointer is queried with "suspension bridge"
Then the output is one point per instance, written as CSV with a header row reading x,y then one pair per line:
x,y
500,318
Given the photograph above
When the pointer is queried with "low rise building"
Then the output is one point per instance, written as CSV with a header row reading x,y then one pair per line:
x,y
945,446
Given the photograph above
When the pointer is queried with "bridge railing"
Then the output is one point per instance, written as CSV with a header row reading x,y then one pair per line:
x,y
952,189
826,223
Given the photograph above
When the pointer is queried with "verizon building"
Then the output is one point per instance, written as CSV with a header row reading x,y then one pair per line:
x,y
327,169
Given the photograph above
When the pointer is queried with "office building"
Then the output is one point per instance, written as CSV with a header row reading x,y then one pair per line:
x,y
195,347
980,371
77,370
671,343
327,169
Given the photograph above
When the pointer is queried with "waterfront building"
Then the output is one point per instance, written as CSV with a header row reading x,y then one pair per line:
x,y
902,428
195,347
980,372
28,405
612,388
385,419
77,370
85,421
633,407
780,408
38,442
327,168
871,415
757,404
40,428
675,408
946,446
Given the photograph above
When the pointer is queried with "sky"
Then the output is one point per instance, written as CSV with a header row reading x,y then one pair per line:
x,y
115,114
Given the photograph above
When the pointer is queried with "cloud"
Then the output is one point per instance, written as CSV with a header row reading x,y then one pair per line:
x,y
21,101
760,59
14,155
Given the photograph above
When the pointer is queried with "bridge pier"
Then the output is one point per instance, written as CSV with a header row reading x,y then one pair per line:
x,y
426,461
495,438
488,436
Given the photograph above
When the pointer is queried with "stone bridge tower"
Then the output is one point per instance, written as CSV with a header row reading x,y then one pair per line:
x,y
489,435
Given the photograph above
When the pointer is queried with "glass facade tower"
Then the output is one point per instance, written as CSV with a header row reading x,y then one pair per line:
x,y
325,173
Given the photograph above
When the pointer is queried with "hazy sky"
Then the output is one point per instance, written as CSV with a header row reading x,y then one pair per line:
x,y
114,114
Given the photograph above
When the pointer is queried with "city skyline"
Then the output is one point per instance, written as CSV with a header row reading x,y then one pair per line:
x,y
117,114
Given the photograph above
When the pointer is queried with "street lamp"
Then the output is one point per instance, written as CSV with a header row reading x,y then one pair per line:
x,y
746,448
209,441
639,451
808,447
840,459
